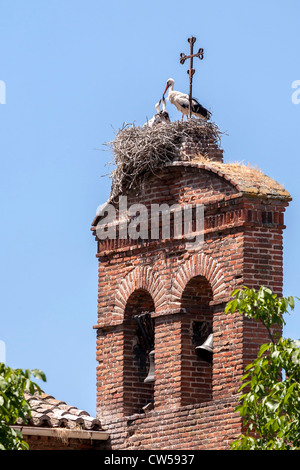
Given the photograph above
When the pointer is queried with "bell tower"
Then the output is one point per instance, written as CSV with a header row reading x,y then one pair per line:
x,y
166,296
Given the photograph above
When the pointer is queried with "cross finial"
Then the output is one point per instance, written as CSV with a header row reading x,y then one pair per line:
x,y
191,71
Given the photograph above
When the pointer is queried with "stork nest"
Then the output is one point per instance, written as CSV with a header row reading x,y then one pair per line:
x,y
138,151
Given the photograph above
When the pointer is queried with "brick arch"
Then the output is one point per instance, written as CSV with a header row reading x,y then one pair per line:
x,y
142,277
199,264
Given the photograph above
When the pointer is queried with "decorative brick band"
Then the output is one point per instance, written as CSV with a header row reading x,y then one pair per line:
x,y
142,277
199,264
165,301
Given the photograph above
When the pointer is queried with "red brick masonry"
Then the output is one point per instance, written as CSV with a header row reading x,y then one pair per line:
x,y
191,403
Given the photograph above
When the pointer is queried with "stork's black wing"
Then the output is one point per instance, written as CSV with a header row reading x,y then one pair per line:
x,y
199,109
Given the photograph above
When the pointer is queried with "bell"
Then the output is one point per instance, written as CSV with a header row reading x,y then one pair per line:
x,y
150,376
206,349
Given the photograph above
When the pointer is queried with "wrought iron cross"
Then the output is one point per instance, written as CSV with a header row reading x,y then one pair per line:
x,y
191,71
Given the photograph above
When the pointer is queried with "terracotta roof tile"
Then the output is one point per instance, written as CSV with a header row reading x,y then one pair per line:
x,y
47,411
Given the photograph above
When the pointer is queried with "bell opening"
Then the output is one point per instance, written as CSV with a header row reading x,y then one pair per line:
x,y
138,343
197,322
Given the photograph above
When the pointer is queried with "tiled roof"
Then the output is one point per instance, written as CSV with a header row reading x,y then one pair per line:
x,y
46,411
246,179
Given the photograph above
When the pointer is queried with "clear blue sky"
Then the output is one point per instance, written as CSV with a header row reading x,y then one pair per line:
x,y
75,71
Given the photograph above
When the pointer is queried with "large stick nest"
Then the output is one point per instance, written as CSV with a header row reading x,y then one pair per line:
x,y
140,151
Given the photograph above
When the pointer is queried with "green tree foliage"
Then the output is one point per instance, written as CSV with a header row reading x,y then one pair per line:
x,y
13,384
270,400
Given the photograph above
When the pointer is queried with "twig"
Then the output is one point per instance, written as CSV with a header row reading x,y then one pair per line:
x,y
138,151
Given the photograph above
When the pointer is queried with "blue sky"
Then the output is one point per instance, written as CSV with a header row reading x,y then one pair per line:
x,y
75,72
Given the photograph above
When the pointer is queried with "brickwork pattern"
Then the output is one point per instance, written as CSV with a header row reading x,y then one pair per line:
x,y
53,443
193,402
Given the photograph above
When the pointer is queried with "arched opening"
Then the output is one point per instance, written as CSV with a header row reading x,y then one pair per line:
x,y
197,322
138,343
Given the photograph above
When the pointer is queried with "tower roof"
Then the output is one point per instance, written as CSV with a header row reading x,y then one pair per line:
x,y
246,179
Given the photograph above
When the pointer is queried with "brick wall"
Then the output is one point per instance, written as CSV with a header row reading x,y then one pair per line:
x,y
186,291
206,426
62,443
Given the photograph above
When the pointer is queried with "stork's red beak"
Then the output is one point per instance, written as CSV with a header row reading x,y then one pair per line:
x,y
166,89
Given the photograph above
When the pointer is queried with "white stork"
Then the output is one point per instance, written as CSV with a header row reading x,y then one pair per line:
x,y
160,116
181,101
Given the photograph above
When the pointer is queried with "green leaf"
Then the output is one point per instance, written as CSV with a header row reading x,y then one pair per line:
x,y
264,348
39,374
291,302
271,408
13,405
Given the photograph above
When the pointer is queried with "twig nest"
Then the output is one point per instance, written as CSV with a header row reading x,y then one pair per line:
x,y
140,151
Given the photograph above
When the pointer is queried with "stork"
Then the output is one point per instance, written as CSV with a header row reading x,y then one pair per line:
x,y
161,116
182,103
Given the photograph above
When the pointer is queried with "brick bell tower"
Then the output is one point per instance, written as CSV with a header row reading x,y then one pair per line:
x,y
177,293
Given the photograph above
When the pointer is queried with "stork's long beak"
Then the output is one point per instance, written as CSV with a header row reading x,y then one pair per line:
x,y
165,90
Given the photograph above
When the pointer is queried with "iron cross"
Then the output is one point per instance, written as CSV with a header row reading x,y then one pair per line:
x,y
191,71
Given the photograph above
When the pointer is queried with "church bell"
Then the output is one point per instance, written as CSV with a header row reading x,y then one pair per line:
x,y
205,351
150,376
